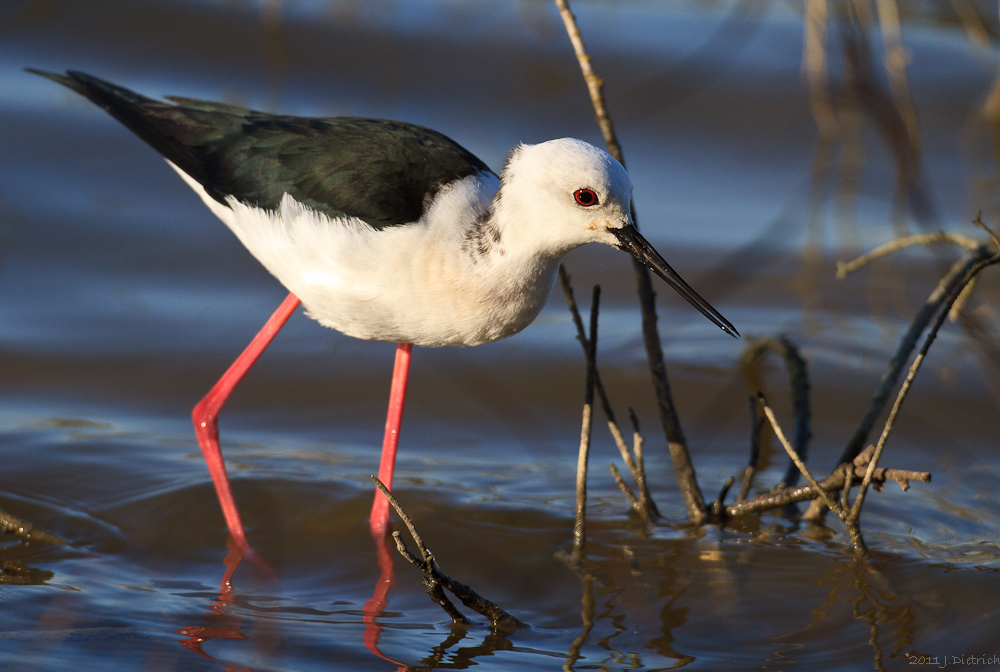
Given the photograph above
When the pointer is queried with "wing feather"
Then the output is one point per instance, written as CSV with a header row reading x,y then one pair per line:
x,y
383,172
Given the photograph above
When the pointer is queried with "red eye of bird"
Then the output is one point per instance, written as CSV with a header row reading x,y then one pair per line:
x,y
585,197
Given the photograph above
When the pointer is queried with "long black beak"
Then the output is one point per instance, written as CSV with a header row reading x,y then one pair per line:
x,y
630,241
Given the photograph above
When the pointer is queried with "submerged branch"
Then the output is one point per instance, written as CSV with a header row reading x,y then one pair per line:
x,y
834,483
25,530
436,580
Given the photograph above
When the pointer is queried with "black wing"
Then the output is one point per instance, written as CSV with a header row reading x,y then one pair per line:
x,y
384,172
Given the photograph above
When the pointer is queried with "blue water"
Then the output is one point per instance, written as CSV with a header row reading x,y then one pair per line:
x,y
123,300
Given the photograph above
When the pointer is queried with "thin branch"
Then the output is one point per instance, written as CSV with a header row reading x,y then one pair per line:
x,y
594,83
431,580
950,292
834,483
978,221
958,307
911,374
633,464
845,492
719,506
746,479
579,527
895,67
649,506
627,491
25,530
887,428
799,378
795,456
846,268
679,454
881,475
954,278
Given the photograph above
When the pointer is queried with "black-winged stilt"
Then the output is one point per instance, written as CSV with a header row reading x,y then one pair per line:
x,y
384,230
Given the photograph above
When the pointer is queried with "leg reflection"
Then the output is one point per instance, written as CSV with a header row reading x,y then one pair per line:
x,y
376,605
223,625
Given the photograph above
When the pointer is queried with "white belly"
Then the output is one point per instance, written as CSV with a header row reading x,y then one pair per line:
x,y
408,284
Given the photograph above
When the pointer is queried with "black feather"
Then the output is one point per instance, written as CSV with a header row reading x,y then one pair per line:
x,y
383,172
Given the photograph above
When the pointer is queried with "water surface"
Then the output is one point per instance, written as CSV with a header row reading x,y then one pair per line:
x,y
123,300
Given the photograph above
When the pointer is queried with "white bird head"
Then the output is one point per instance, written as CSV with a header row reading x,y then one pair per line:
x,y
569,193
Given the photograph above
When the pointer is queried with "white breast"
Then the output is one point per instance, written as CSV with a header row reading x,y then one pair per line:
x,y
421,283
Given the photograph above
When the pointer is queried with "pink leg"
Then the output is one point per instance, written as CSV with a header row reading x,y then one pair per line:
x,y
379,520
206,415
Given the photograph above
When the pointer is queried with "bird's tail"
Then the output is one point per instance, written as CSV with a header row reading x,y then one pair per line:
x,y
163,126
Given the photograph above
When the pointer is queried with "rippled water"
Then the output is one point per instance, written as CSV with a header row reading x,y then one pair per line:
x,y
123,300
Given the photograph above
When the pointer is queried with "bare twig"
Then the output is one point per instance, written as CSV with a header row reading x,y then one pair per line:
x,y
581,335
627,491
799,378
846,268
958,307
649,506
633,463
895,67
719,505
642,503
436,580
579,527
795,456
834,483
855,512
947,293
594,84
845,492
978,221
881,475
954,278
677,444
814,65
955,292
746,478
